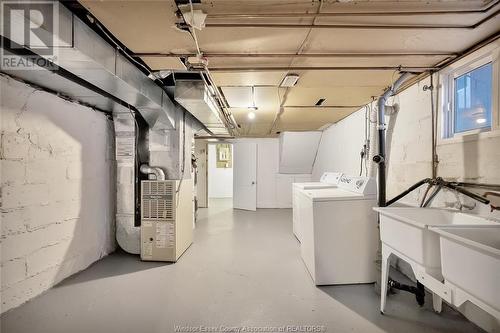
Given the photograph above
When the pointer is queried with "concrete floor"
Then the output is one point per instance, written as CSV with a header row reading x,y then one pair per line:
x,y
244,269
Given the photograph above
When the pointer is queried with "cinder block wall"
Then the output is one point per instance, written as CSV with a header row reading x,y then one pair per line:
x,y
57,190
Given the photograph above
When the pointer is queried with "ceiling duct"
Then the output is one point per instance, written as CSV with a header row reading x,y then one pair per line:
x,y
82,52
195,97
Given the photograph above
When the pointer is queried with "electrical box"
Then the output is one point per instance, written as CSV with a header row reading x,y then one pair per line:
x,y
167,212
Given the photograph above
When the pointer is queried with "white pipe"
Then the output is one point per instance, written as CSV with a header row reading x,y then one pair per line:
x,y
373,147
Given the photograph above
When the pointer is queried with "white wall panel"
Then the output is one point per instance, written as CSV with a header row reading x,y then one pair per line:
x,y
57,189
220,180
298,151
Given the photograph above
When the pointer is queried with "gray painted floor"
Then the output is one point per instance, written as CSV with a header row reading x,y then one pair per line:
x,y
244,269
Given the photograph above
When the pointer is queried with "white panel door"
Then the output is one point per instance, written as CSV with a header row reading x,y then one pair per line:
x,y
245,175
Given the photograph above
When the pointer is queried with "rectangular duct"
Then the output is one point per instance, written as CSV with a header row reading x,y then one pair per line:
x,y
195,96
85,54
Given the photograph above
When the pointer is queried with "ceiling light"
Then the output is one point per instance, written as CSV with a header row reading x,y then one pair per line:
x,y
290,80
251,115
481,120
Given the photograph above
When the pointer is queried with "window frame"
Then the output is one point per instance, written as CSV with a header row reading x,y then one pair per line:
x,y
489,54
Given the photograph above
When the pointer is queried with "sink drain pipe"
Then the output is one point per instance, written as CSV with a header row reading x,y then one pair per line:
x,y
380,157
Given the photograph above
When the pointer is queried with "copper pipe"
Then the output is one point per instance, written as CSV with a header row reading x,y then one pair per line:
x,y
340,14
294,55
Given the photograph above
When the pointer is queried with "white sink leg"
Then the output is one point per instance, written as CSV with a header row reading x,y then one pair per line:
x,y
437,303
385,277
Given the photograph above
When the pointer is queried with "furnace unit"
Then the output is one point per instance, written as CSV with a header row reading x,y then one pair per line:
x,y
166,219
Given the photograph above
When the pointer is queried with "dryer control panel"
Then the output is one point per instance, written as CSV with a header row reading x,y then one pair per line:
x,y
331,178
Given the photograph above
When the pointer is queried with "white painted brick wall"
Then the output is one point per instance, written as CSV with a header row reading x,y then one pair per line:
x,y
57,190
410,161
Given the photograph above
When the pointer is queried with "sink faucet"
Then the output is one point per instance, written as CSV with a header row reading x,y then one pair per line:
x,y
495,194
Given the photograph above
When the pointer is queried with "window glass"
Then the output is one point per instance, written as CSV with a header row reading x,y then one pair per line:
x,y
473,92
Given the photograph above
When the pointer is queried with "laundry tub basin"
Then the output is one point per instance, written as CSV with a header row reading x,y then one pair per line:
x,y
406,230
470,260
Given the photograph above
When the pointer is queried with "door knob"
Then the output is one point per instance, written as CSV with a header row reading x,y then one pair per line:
x,y
253,183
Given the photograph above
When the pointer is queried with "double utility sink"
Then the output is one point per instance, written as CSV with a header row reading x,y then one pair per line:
x,y
455,255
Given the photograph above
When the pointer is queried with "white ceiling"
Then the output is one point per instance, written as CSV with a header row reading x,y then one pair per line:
x,y
149,27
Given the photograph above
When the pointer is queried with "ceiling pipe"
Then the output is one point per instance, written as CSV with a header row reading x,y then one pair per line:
x,y
447,62
323,68
353,26
337,26
341,14
323,106
294,55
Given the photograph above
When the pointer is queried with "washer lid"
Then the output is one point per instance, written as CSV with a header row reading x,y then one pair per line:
x,y
335,194
313,185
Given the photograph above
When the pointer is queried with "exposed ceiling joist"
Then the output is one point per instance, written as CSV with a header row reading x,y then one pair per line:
x,y
480,10
341,39
295,55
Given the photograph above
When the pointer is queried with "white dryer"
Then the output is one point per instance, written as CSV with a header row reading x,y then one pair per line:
x,y
339,232
327,180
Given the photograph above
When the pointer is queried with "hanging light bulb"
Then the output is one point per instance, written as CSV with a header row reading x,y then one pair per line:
x,y
251,115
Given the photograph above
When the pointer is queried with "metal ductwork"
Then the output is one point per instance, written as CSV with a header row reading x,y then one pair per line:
x,y
128,235
157,172
195,96
94,73
82,52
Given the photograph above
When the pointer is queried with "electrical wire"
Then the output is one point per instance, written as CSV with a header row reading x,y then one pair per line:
x,y
183,157
217,94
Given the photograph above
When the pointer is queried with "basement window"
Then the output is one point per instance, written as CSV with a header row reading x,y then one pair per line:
x,y
472,102
469,98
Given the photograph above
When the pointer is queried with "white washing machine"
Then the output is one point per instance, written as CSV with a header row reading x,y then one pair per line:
x,y
327,180
339,232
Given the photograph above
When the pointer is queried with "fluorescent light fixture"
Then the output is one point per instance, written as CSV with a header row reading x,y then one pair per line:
x,y
480,120
251,115
290,80
253,106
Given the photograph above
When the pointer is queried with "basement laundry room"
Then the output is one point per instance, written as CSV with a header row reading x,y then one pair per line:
x,y
250,166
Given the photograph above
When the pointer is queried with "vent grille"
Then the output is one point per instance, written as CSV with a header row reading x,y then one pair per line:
x,y
157,200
